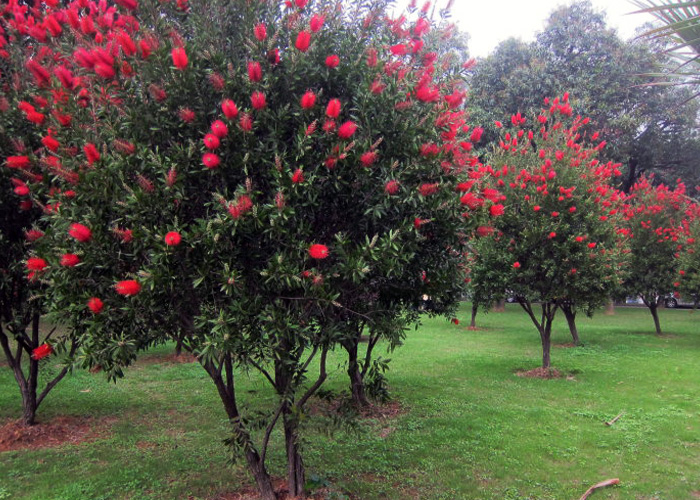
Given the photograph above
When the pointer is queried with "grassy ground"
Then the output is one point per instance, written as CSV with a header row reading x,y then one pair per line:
x,y
471,429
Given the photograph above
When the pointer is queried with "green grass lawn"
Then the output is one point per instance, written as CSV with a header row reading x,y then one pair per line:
x,y
471,429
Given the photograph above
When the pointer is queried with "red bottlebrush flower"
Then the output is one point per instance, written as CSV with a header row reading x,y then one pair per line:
x,y
211,141
316,22
579,239
42,352
128,287
126,235
332,61
260,31
211,160
333,108
303,40
330,162
21,190
186,115
372,57
69,260
471,200
36,264
104,70
173,239
50,143
242,205
229,109
398,50
368,158
391,187
219,129
91,153
301,3
559,155
65,76
95,305
33,235
217,81
377,87
552,235
124,147
17,162
516,265
537,208
36,117
273,56
254,71
427,93
298,176
483,231
179,57
455,321
258,100
476,134
428,189
346,130
592,245
555,214
246,122
317,251
80,232
418,222
496,210
127,4
308,100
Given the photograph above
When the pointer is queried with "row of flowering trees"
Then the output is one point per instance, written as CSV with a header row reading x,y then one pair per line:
x,y
261,189
268,187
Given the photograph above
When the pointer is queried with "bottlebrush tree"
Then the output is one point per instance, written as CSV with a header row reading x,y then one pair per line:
x,y
657,219
553,236
688,283
257,187
24,343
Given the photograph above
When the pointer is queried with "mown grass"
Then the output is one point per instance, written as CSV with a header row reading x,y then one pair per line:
x,y
471,429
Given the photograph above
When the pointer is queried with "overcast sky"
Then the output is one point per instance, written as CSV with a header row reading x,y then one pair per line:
x,y
492,21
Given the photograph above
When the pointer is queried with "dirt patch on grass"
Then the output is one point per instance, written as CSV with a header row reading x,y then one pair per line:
x,y
566,345
383,411
545,373
281,488
14,435
695,494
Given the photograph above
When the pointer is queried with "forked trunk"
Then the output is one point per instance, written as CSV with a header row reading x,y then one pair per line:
x,y
262,478
475,308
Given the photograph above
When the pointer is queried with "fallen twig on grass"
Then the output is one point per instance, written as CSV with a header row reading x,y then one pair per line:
x,y
614,419
602,484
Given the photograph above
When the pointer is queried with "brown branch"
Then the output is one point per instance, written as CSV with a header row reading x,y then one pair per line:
x,y
321,377
58,377
602,484
614,419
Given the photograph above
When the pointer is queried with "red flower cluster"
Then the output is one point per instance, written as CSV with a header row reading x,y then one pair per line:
x,y
317,251
128,288
41,352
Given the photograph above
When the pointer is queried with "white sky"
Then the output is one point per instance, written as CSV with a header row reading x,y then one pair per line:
x,y
492,21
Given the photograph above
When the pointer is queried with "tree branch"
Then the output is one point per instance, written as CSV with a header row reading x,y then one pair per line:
x,y
321,377
58,377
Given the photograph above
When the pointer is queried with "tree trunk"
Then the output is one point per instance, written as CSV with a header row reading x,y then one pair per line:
x,y
29,406
227,394
178,344
655,314
357,387
610,308
546,347
570,315
475,308
296,476
499,306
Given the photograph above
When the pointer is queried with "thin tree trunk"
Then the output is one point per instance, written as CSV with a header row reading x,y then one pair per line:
x,y
570,315
475,309
227,395
546,338
296,476
357,386
653,308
